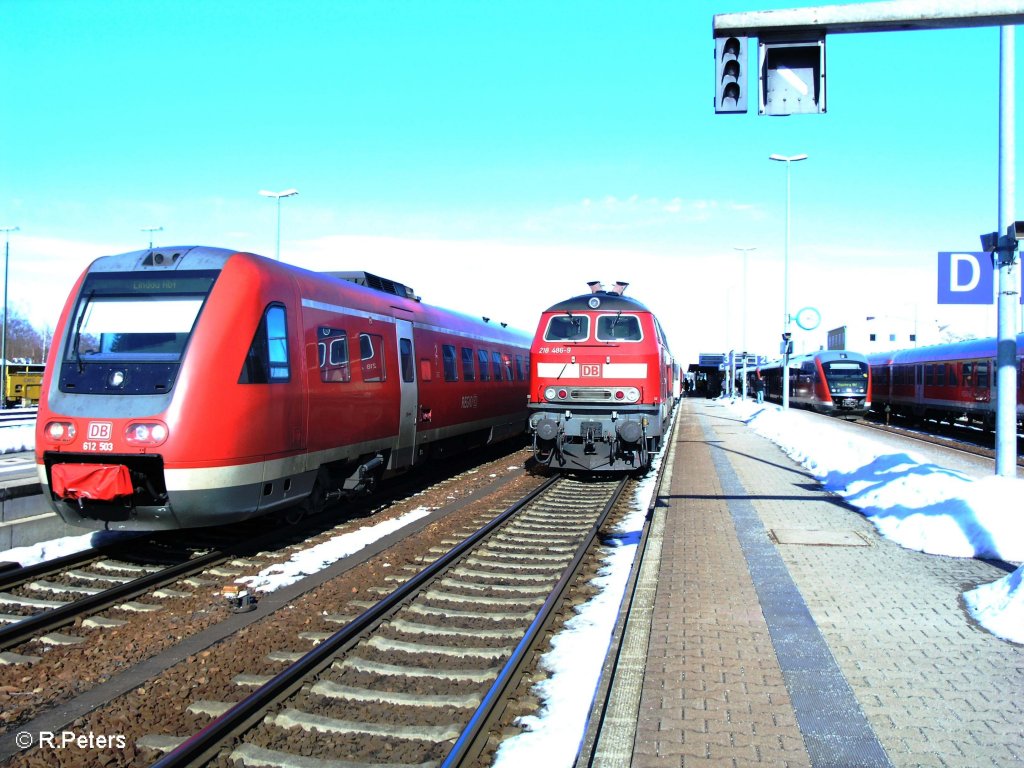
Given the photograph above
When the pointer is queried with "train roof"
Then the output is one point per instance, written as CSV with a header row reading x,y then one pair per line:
x,y
957,350
601,300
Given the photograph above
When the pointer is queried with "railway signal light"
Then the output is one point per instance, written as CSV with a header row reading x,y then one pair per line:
x,y
786,347
730,74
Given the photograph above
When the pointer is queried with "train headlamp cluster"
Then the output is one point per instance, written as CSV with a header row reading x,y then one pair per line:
x,y
137,433
145,433
61,431
620,394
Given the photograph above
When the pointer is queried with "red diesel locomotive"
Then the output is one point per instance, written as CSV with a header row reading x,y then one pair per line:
x,y
601,383
196,386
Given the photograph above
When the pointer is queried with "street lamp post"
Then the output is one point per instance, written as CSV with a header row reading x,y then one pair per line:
x,y
743,314
3,334
278,196
151,230
788,160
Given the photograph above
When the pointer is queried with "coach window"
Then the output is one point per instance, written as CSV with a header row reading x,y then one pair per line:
x,y
267,359
982,374
371,357
618,328
405,353
940,375
507,361
448,356
929,375
496,365
485,372
332,348
468,368
952,374
567,328
520,373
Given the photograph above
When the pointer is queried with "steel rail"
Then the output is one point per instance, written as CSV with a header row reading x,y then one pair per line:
x,y
20,631
203,745
473,739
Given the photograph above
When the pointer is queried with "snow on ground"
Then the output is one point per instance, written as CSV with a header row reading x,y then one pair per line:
x,y
915,503
316,558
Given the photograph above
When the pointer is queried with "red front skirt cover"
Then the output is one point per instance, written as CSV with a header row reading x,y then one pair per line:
x,y
91,481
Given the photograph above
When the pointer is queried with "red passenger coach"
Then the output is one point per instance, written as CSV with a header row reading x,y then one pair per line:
x,y
945,382
196,386
601,384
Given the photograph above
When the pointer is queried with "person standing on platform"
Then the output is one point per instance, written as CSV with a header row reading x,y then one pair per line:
x,y
759,387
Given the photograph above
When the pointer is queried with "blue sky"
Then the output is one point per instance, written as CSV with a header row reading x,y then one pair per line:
x,y
496,156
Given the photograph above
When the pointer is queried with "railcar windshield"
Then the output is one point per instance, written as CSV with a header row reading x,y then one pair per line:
x,y
567,328
129,331
125,317
846,372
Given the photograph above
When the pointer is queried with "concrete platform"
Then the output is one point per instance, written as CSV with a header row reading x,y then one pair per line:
x,y
784,631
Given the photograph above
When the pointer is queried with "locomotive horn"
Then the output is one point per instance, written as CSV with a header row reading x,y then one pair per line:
x,y
620,287
595,286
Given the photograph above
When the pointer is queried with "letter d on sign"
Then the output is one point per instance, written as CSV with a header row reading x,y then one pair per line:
x,y
964,278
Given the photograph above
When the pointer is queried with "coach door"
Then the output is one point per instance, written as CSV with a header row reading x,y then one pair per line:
x,y
405,451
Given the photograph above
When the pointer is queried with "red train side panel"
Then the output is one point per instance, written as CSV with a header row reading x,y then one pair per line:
x,y
229,385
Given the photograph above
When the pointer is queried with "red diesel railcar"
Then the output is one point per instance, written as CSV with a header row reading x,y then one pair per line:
x,y
195,386
601,383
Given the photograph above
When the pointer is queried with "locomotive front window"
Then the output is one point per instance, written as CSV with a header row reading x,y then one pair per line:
x,y
567,328
619,328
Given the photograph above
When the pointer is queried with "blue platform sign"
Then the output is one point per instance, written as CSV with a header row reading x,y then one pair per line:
x,y
965,277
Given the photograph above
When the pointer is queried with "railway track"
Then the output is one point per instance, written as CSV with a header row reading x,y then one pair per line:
x,y
39,599
972,444
418,677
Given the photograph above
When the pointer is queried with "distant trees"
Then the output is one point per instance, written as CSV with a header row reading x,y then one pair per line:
x,y
24,341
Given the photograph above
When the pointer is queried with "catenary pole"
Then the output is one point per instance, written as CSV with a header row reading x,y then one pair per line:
x,y
1006,341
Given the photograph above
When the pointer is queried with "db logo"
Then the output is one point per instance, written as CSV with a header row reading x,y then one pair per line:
x,y
100,430
590,370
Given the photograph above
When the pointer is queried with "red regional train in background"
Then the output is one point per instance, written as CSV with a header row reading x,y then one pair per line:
x,y
196,386
834,381
602,383
945,382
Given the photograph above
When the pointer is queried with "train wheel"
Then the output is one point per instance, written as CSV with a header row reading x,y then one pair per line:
x,y
293,515
317,500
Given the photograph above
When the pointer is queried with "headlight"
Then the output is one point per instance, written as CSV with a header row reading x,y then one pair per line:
x,y
145,433
61,431
629,394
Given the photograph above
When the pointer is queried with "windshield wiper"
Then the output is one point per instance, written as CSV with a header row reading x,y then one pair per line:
x,y
78,333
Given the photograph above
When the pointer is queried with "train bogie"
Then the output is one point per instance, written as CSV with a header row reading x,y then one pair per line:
x,y
601,384
199,386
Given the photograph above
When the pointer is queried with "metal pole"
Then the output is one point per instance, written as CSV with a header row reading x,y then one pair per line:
x,y
277,252
3,343
785,290
1006,343
3,333
785,276
743,333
